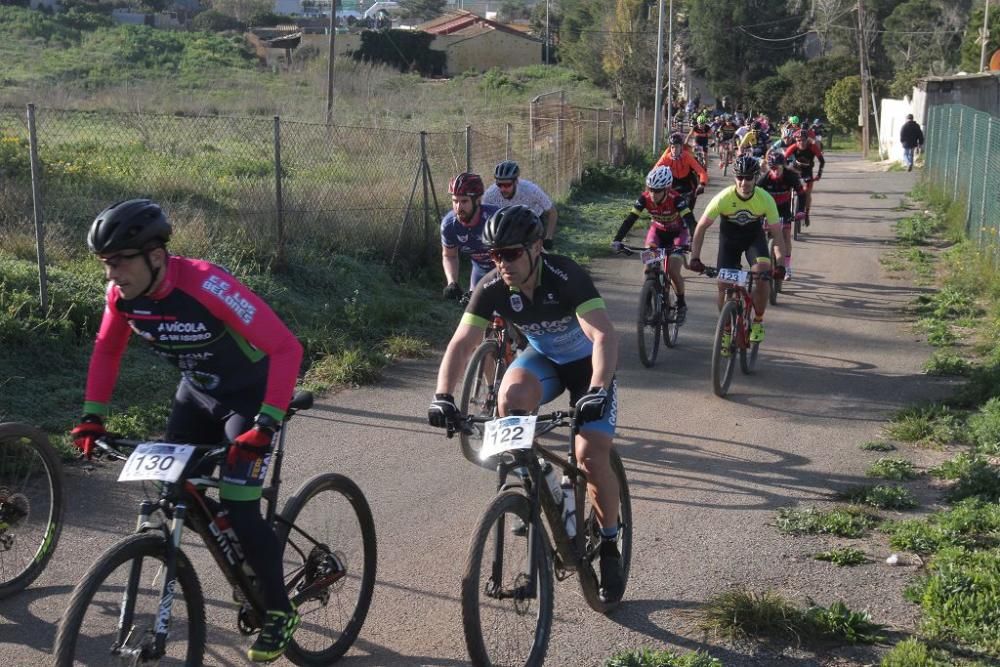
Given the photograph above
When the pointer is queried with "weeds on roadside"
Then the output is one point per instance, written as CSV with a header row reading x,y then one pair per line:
x,y
971,523
877,446
944,363
892,468
646,657
402,346
842,522
931,422
880,497
843,556
839,622
348,367
984,428
973,476
914,653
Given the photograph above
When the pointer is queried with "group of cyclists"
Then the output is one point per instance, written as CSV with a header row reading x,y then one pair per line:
x,y
239,361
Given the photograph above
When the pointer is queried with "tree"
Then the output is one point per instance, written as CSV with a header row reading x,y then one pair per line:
x,y
214,21
971,46
512,10
582,37
630,53
924,34
424,10
241,10
841,103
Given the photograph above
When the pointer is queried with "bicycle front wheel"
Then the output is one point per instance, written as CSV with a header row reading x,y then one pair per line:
x,y
329,555
772,295
506,620
113,611
748,356
669,316
592,533
647,324
31,505
724,349
480,390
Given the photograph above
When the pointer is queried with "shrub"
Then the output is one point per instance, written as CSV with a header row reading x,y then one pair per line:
x,y
984,427
881,497
890,468
914,653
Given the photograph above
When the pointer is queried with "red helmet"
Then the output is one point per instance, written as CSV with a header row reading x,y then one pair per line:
x,y
466,185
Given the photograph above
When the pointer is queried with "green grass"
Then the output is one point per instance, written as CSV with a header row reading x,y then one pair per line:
x,y
971,523
984,428
842,522
973,476
891,468
740,614
647,657
944,363
932,423
877,446
843,556
914,653
880,497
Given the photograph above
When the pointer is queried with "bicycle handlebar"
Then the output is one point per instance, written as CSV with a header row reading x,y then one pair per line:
x,y
464,423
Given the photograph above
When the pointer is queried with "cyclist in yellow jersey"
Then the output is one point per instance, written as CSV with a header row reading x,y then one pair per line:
x,y
744,210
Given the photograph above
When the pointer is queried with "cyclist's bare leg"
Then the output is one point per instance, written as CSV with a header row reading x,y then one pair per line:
x,y
593,453
761,289
674,264
722,295
786,231
520,391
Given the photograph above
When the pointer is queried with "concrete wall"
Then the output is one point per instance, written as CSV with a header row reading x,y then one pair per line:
x,y
892,115
486,51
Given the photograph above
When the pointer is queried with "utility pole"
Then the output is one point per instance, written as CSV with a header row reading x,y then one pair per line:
x,y
985,36
329,67
548,47
670,66
658,94
863,57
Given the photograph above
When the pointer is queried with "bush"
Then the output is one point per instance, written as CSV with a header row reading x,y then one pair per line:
x,y
215,21
984,427
914,653
841,103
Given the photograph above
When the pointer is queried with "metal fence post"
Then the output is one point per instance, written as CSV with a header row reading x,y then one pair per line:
x,y
468,148
958,157
506,154
968,198
427,209
278,198
559,140
597,135
36,202
624,128
531,134
986,171
611,132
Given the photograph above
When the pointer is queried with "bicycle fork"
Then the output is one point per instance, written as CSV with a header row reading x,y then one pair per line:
x,y
162,626
523,588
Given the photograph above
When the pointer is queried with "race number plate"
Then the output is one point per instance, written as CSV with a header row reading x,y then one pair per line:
x,y
733,276
507,434
652,256
156,460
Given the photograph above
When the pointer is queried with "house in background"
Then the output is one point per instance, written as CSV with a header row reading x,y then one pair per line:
x,y
471,42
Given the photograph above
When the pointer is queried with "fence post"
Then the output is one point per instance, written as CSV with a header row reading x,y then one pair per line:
x,y
506,154
611,132
36,202
958,158
279,258
531,134
624,128
559,139
986,169
968,198
427,210
597,135
468,148
579,146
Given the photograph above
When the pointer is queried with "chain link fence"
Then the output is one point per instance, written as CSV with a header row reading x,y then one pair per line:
x,y
963,159
278,188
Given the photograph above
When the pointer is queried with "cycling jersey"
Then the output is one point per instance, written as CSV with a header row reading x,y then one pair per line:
x,y
526,193
741,217
225,340
469,239
805,157
671,214
683,166
727,131
562,292
781,189
701,133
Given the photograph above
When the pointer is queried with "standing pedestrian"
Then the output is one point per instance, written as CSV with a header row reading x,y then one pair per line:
x,y
912,137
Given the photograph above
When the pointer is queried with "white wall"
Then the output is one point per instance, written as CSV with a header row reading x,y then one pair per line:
x,y
892,116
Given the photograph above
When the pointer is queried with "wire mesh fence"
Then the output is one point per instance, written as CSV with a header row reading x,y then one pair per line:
x,y
273,185
963,159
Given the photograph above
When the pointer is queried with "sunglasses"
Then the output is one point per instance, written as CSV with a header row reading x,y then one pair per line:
x,y
506,255
744,179
505,185
656,191
115,261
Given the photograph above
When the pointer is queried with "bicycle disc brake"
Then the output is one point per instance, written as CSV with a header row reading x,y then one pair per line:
x,y
14,508
323,569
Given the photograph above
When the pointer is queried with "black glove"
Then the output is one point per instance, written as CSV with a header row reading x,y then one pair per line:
x,y
695,265
618,247
452,291
547,244
779,273
591,405
700,190
442,411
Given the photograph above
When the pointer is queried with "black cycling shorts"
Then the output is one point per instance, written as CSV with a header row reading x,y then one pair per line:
x,y
733,247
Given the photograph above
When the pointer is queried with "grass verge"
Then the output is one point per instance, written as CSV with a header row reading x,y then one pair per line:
x,y
842,521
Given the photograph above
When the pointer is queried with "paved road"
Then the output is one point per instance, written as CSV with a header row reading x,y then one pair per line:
x,y
706,474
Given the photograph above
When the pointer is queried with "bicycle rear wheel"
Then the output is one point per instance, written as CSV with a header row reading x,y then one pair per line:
x,y
669,316
507,622
96,630
31,505
480,389
775,285
592,533
723,351
647,324
329,557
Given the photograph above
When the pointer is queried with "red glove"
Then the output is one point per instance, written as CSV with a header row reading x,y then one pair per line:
x,y
249,446
696,265
91,428
801,215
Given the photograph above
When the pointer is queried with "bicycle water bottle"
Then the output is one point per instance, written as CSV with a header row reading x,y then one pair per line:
x,y
552,479
569,506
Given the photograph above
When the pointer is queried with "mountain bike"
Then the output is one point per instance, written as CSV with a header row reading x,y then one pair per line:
x,y
507,590
726,156
145,585
797,224
31,505
732,333
657,308
481,383
776,284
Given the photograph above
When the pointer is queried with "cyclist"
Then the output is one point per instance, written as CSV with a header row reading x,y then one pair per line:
x,y
818,131
689,177
572,346
750,139
802,155
238,365
462,231
779,182
671,221
700,132
744,209
510,189
724,137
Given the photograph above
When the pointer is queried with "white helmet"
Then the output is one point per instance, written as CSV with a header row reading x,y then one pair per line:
x,y
659,178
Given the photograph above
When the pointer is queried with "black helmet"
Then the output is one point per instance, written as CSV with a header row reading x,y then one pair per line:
x,y
128,225
512,226
746,165
506,171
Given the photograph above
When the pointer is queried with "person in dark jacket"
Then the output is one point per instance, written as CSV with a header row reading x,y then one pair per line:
x,y
911,136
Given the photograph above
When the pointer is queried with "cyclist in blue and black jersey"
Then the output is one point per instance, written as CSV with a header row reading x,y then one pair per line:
x,y
572,347
462,231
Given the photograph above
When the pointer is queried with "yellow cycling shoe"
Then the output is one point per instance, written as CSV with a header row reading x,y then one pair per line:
x,y
757,332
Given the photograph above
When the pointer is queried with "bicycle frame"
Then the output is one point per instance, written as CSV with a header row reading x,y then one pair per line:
x,y
742,295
